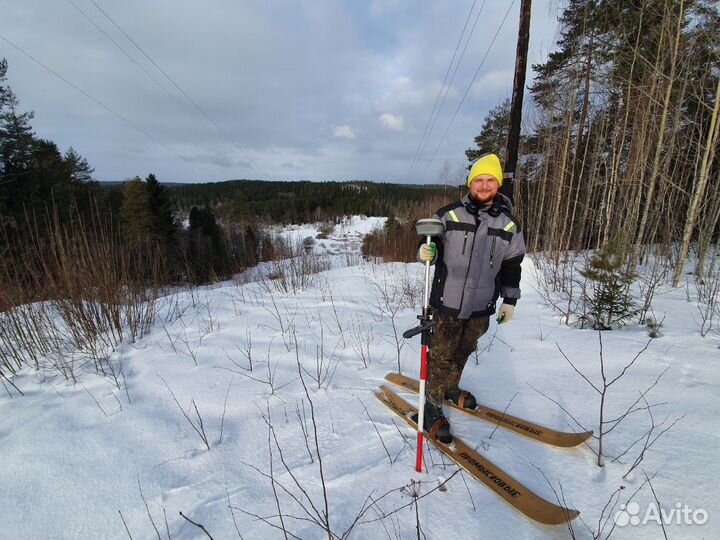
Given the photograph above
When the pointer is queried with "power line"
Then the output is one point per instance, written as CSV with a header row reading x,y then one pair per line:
x,y
418,150
150,75
106,107
467,91
467,42
177,86
457,66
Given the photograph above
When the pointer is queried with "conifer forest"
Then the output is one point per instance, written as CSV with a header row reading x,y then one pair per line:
x,y
619,146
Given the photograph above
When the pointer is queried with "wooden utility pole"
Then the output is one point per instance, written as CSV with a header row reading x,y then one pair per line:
x,y
511,152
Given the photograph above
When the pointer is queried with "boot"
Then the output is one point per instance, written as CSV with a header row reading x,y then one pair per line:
x,y
461,398
435,423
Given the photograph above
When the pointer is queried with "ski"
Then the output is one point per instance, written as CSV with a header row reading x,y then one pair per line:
x,y
504,420
504,485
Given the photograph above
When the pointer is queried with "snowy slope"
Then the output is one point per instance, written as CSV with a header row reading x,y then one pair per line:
x,y
79,459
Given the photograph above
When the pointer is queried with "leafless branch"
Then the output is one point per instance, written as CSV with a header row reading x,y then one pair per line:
x,y
199,428
222,420
662,523
577,370
125,524
147,509
376,431
198,525
497,424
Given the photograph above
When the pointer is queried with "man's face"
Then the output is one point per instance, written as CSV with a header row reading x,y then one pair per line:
x,y
483,188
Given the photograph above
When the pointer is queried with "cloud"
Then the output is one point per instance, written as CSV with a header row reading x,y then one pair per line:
x,y
218,159
392,122
276,81
492,84
211,159
343,132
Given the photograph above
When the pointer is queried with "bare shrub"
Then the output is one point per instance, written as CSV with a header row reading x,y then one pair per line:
x,y
308,242
361,338
194,418
76,288
606,522
650,279
562,286
325,230
397,240
324,367
707,293
606,424
390,301
294,269
307,500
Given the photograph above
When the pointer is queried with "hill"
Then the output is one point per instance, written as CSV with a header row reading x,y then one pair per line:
x,y
214,413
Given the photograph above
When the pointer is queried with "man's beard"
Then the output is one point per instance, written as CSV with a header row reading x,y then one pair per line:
x,y
486,199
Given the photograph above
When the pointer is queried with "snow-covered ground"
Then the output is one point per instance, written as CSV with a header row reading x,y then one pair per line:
x,y
346,237
88,460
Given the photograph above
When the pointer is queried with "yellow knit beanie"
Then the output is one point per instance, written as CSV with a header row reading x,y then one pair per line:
x,y
487,164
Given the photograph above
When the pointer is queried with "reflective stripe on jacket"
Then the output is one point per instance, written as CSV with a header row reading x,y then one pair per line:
x,y
478,259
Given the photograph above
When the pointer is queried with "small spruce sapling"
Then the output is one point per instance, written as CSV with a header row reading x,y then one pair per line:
x,y
610,300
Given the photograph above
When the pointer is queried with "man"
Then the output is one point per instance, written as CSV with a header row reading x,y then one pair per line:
x,y
476,260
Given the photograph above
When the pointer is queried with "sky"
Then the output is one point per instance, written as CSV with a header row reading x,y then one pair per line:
x,y
279,90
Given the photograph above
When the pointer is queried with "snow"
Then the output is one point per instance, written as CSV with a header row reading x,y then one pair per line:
x,y
346,236
78,459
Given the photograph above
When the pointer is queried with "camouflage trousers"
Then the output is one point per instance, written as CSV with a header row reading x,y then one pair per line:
x,y
452,342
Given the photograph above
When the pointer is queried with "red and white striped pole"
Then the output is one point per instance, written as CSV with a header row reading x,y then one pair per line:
x,y
423,366
428,228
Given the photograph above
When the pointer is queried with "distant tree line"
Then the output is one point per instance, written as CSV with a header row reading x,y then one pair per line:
x,y
238,201
54,216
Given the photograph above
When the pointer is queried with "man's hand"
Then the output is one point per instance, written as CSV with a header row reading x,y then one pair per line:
x,y
506,313
427,252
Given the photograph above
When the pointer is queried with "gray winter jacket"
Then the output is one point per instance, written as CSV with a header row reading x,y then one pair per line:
x,y
478,258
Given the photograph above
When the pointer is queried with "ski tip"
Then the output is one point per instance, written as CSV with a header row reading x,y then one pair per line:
x,y
583,436
571,514
560,516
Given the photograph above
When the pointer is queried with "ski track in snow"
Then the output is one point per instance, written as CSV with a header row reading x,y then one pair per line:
x,y
70,465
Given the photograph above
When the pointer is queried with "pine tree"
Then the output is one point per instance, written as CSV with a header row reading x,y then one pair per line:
x,y
16,145
16,136
494,133
79,170
135,215
208,254
163,224
47,182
